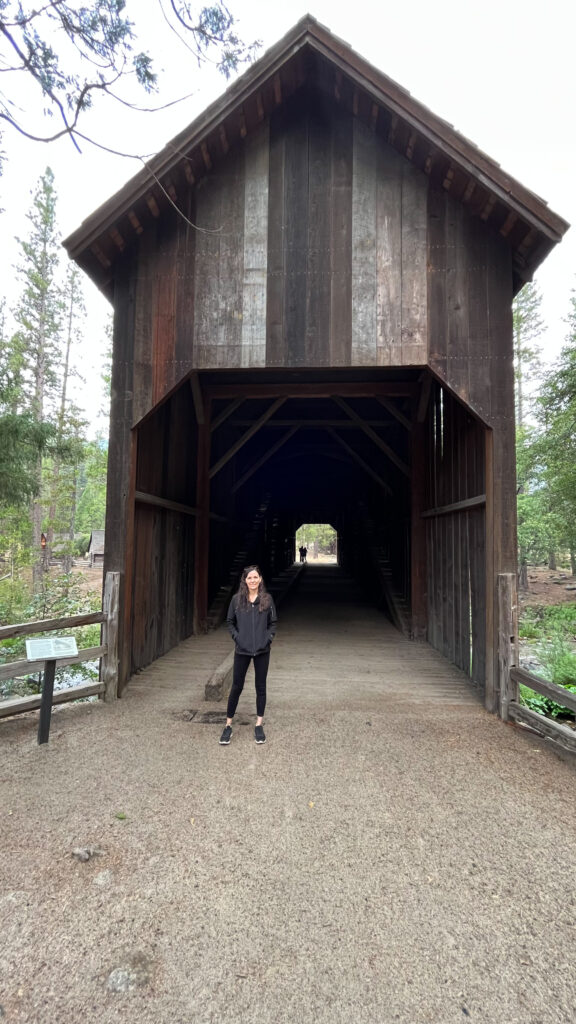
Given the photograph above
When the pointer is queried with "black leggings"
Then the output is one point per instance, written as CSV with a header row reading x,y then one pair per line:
x,y
241,663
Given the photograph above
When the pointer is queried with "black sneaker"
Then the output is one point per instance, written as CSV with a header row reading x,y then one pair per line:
x,y
226,736
259,734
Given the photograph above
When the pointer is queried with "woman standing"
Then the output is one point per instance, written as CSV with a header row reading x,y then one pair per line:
x,y
251,621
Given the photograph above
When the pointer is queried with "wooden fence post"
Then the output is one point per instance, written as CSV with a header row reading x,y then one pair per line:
x,y
507,642
110,606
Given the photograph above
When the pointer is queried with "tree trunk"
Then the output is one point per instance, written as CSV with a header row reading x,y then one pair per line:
x,y
573,561
523,574
552,560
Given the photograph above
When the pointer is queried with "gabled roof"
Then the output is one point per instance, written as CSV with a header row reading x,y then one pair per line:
x,y
309,53
96,543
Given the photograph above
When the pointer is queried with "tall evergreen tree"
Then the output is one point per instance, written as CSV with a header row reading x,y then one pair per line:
x,y
557,443
528,326
61,482
37,339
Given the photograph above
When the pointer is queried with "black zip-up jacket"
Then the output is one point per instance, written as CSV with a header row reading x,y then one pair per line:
x,y
251,630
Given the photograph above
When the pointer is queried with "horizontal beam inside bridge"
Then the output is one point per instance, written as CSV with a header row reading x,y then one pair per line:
x,y
398,389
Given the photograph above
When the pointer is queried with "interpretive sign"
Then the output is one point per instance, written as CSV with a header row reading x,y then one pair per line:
x,y
51,648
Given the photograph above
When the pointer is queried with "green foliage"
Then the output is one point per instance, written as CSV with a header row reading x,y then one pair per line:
x,y
74,52
528,326
546,460
559,661
544,705
91,507
554,629
60,596
321,534
547,621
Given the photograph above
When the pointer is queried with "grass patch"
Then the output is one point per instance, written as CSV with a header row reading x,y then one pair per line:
x,y
552,628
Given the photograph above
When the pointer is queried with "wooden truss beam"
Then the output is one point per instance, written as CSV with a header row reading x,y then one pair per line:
x,y
260,462
313,424
197,396
219,419
424,399
392,389
357,458
395,412
388,451
456,506
246,437
143,498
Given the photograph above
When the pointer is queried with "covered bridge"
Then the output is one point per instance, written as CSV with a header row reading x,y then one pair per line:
x,y
312,290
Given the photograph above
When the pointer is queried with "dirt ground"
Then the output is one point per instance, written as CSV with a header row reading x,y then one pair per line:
x,y
392,855
546,586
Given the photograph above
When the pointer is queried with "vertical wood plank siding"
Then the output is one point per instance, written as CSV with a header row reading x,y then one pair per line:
x,y
304,246
340,315
470,348
364,283
164,539
456,541
219,266
255,249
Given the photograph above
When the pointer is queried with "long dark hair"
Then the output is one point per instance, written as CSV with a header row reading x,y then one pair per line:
x,y
263,596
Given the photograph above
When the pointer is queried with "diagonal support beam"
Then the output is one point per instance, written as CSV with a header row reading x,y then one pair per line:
x,y
198,398
271,451
391,408
422,407
373,436
230,408
246,437
367,469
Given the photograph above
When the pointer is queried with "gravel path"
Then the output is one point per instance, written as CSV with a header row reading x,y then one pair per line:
x,y
392,853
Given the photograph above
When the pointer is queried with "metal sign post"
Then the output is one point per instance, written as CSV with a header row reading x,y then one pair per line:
x,y
49,649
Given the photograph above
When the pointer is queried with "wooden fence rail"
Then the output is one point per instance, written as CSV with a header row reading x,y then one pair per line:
x,y
511,676
106,652
562,735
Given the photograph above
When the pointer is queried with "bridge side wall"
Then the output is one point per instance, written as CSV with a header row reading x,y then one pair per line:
x,y
471,352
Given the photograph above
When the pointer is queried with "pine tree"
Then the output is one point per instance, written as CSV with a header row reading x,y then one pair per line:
x,y
63,472
37,340
528,326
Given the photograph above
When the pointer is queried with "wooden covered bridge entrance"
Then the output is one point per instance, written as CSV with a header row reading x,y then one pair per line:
x,y
312,288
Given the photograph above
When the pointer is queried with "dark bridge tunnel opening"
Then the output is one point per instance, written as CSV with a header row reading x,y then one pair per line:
x,y
325,467
232,463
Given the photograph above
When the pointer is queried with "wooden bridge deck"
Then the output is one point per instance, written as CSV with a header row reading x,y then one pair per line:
x,y
332,647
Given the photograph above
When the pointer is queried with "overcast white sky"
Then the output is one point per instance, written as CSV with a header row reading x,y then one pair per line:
x,y
502,72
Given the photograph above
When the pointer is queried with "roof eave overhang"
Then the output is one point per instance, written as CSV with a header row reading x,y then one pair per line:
x,y
544,227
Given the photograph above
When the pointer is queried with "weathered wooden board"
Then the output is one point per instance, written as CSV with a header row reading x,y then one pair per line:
x,y
296,208
389,259
218,266
414,266
276,256
364,278
142,335
341,242
185,296
318,267
255,261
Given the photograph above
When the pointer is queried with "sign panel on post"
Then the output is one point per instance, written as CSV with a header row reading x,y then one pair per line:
x,y
51,648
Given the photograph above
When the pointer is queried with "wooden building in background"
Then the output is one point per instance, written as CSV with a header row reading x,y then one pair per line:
x,y
312,290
